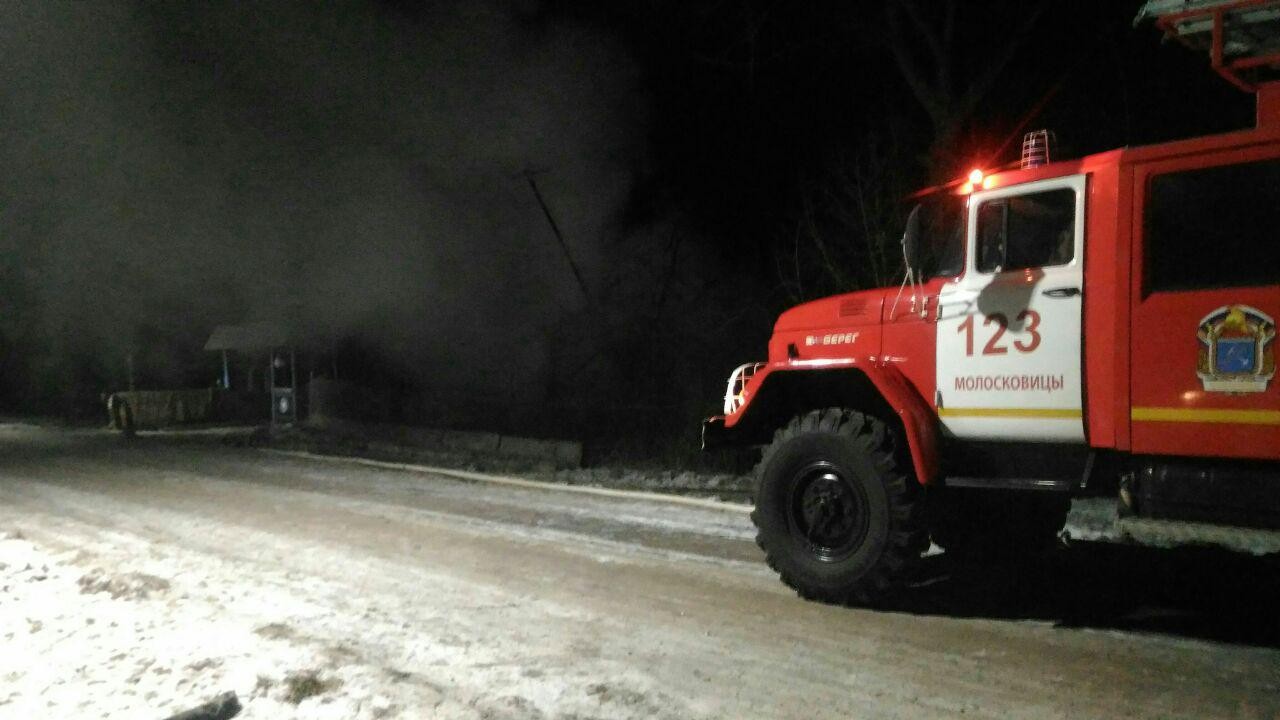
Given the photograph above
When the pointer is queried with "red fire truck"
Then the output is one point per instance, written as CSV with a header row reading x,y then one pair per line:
x,y
1101,325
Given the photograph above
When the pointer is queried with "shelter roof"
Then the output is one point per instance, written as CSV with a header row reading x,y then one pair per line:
x,y
252,336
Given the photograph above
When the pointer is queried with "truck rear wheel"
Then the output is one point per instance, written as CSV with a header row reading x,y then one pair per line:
x,y
837,513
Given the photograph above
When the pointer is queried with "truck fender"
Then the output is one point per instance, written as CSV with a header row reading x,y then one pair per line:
x,y
919,422
781,390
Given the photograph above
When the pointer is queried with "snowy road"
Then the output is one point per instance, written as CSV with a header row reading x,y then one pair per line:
x,y
142,578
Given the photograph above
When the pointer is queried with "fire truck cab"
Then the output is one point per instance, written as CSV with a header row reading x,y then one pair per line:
x,y
1102,325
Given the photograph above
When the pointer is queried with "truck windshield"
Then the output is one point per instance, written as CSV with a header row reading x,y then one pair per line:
x,y
942,235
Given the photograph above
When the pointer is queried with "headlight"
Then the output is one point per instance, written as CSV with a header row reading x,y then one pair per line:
x,y
735,395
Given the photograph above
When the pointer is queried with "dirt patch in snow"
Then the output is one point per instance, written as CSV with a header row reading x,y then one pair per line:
x,y
129,586
299,686
275,631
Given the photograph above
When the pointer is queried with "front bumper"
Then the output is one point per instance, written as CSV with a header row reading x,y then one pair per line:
x,y
714,434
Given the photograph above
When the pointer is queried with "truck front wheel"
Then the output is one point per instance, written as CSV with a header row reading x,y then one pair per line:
x,y
838,514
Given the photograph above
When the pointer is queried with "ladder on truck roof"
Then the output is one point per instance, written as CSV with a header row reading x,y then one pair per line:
x,y
1242,37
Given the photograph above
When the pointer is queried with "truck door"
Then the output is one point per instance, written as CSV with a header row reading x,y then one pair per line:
x,y
1206,299
1008,348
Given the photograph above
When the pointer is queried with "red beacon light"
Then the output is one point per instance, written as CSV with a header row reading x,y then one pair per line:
x,y
977,179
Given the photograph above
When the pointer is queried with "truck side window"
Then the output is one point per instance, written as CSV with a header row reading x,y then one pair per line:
x,y
991,232
1213,228
1026,231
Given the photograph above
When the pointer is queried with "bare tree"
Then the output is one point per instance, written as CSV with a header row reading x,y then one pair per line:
x,y
844,230
922,39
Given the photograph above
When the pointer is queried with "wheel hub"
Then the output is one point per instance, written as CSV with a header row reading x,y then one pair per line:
x,y
828,511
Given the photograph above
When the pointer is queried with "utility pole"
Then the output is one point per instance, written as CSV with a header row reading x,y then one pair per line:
x,y
564,247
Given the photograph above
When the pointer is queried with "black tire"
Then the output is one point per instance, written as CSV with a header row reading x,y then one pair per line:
x,y
838,512
997,523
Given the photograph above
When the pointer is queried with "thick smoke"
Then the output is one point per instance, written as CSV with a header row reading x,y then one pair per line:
x,y
172,166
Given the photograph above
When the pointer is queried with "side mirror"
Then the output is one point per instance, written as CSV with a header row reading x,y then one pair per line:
x,y
911,241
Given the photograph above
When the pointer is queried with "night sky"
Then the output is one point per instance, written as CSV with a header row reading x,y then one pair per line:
x,y
750,99
362,170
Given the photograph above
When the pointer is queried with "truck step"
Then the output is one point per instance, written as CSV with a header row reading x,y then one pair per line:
x,y
998,483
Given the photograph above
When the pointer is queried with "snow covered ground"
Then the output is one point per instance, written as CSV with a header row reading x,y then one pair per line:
x,y
121,626
84,640
140,579
357,440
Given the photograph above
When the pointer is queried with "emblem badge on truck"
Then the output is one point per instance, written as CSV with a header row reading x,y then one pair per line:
x,y
1237,350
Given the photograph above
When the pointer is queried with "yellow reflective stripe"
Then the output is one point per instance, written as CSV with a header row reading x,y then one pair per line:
x,y
1206,415
1053,413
